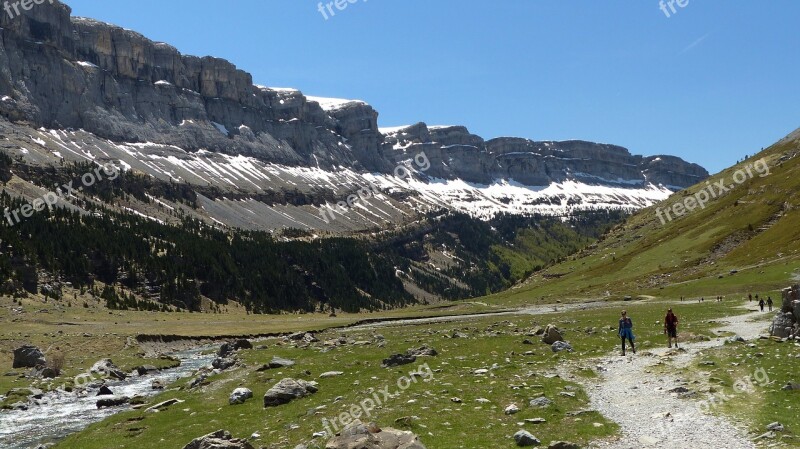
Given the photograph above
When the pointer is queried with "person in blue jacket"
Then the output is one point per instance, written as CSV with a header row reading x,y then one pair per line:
x,y
626,331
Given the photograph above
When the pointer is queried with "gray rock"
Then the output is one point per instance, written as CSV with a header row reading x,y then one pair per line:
x,y
106,368
240,395
105,391
220,439
561,346
782,325
423,351
563,445
114,401
551,335
791,386
524,438
398,359
28,356
540,402
288,390
225,350
145,369
358,435
276,363
223,363
775,427
736,339
330,374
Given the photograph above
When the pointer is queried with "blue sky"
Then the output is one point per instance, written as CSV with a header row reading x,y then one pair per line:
x,y
715,81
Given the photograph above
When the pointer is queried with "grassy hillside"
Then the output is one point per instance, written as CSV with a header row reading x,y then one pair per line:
x,y
745,239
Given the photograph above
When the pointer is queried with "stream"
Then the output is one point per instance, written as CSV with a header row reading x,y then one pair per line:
x,y
62,414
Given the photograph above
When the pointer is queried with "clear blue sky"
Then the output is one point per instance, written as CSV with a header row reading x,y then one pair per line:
x,y
717,80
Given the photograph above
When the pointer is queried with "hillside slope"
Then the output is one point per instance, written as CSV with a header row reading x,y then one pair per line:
x,y
745,239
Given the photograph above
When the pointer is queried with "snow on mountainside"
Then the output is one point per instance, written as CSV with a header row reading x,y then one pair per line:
x,y
260,157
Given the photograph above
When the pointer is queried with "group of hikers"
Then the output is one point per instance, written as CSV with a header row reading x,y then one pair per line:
x,y
626,330
761,303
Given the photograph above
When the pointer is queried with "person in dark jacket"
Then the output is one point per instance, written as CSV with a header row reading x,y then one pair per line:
x,y
761,304
626,331
770,303
671,328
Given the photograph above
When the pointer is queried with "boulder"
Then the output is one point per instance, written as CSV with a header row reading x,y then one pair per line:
x,y
240,395
223,363
288,390
221,439
145,369
358,435
107,369
423,351
561,346
225,350
551,335
398,359
524,438
157,384
242,344
114,401
331,374
28,356
105,391
782,325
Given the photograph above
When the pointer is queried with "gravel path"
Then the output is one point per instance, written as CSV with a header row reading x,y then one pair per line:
x,y
649,414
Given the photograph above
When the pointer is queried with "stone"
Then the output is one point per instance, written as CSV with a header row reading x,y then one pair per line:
x,y
540,402
331,374
423,351
107,369
28,356
563,445
145,369
221,439
535,420
223,363
105,391
551,335
524,438
225,350
114,401
358,435
736,339
242,344
512,409
162,405
791,386
775,427
561,346
288,390
276,363
240,395
398,360
157,384
782,325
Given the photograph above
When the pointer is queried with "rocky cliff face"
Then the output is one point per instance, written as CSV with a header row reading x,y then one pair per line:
x,y
173,116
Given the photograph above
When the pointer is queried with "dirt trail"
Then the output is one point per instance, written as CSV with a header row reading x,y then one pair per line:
x,y
649,414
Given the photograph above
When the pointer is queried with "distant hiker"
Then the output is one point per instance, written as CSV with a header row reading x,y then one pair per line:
x,y
626,331
769,303
751,297
761,304
671,328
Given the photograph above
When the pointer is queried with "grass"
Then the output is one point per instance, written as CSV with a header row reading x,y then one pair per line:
x,y
494,343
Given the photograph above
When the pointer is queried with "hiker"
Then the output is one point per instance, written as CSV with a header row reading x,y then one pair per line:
x,y
769,303
626,331
751,297
671,328
761,304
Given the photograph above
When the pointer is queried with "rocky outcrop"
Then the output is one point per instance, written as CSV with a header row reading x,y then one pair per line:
x,y
221,439
28,356
358,435
61,72
787,321
107,369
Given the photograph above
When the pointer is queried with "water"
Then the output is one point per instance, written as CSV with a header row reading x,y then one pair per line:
x,y
66,413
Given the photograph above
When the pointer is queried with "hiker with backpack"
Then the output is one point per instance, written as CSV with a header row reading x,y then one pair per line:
x,y
671,328
626,331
